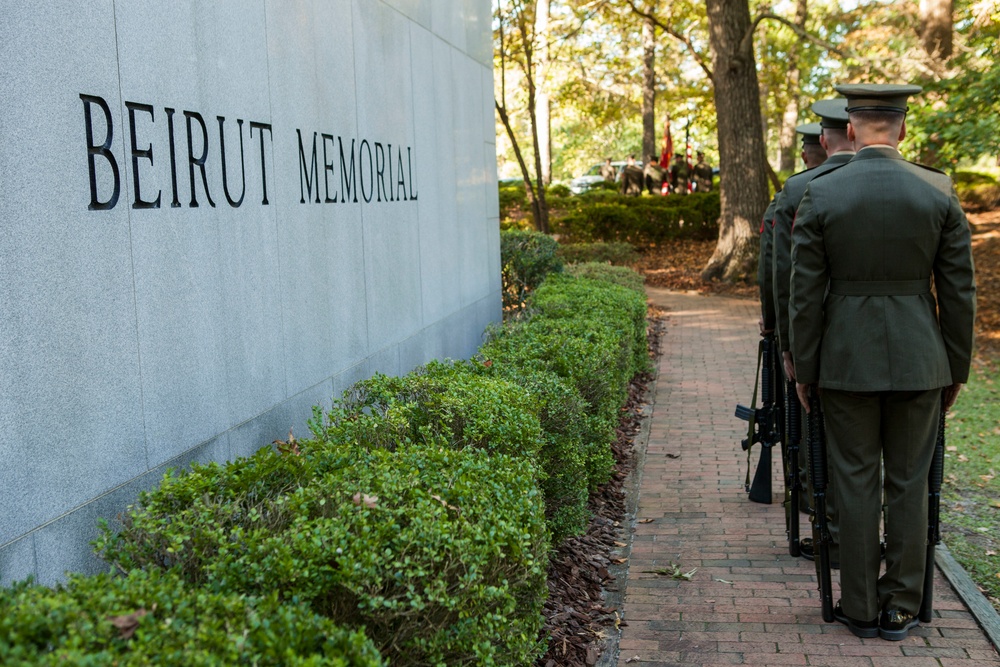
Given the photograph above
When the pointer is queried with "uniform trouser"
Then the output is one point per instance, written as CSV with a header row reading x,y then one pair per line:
x,y
897,429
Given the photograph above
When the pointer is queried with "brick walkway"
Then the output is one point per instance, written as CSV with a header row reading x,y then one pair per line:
x,y
749,603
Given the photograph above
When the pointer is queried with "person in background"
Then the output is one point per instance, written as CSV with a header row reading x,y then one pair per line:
x,y
830,135
702,173
679,175
608,172
631,178
652,175
887,352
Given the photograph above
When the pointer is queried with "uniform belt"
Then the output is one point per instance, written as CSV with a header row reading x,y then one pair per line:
x,y
880,287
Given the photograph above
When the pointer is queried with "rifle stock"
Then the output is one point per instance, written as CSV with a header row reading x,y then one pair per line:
x,y
763,422
821,530
934,481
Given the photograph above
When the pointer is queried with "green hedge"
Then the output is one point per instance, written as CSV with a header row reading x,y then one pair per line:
x,y
437,403
420,516
616,275
638,221
526,258
438,554
592,334
977,191
620,254
160,621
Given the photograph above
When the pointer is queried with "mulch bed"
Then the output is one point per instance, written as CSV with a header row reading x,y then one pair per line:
x,y
577,621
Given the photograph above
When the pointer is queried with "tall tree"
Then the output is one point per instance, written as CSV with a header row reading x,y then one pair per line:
x,y
515,15
742,159
791,116
648,87
542,102
936,28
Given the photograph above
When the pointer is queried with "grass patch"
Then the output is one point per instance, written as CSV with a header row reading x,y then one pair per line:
x,y
971,491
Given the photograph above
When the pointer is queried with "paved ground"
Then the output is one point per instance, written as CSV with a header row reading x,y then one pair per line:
x,y
749,603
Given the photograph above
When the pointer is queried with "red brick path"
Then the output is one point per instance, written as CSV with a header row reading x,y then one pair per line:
x,y
749,603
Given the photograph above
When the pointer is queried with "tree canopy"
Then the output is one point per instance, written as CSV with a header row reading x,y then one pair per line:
x,y
594,74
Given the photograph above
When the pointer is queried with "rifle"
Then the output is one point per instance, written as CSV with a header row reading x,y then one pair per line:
x,y
934,480
821,530
763,422
793,481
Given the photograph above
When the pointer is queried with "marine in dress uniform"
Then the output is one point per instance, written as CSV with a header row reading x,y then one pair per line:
x,y
764,264
886,352
837,150
813,155
702,173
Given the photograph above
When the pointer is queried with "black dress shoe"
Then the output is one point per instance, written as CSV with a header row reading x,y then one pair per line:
x,y
895,625
863,629
807,551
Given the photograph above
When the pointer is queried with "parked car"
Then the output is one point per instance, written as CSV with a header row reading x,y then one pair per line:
x,y
592,177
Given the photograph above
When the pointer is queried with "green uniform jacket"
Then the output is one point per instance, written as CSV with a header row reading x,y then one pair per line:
x,y
764,267
874,232
781,239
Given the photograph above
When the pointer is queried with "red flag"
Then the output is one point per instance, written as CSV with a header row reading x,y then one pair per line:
x,y
668,145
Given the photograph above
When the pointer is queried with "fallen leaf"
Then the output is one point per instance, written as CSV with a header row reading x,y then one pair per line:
x,y
645,520
619,561
724,581
128,623
291,446
952,448
442,501
620,544
634,658
369,501
673,570
963,458
990,552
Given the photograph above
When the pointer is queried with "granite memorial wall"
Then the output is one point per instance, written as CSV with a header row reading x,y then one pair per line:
x,y
214,216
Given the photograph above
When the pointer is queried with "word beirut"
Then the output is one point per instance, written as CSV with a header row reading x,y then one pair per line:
x,y
370,169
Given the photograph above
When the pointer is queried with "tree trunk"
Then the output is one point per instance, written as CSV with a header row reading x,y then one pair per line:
x,y
936,27
539,207
648,88
542,104
742,159
791,116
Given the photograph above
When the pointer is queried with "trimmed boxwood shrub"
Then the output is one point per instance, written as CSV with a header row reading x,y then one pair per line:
x,y
566,297
562,458
621,254
976,191
617,275
152,618
435,403
438,554
232,497
588,356
526,258
466,404
638,221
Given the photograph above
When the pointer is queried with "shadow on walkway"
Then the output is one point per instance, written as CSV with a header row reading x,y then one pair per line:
x,y
749,602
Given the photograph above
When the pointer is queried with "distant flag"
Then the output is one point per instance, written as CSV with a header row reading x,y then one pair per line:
x,y
668,145
687,155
